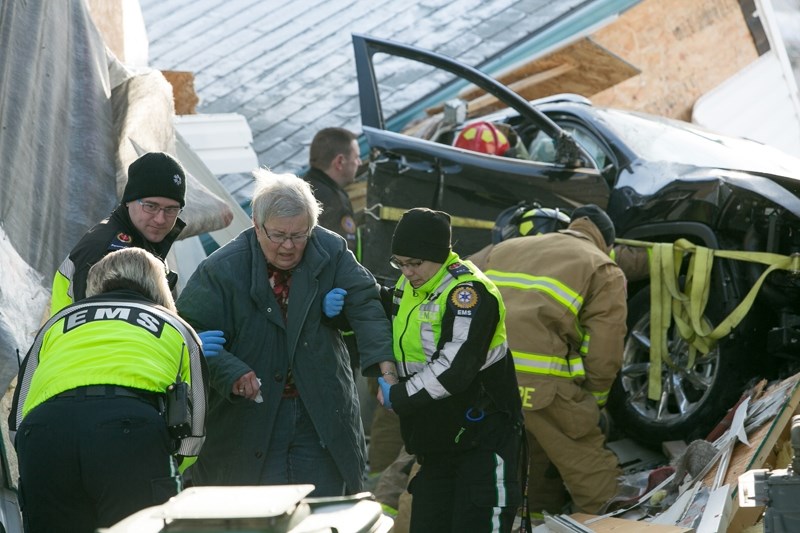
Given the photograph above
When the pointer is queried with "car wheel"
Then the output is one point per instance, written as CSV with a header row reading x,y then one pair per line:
x,y
692,400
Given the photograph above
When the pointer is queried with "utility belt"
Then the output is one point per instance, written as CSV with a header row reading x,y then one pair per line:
x,y
173,405
115,391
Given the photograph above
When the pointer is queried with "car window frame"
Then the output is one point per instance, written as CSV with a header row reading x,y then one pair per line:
x,y
366,47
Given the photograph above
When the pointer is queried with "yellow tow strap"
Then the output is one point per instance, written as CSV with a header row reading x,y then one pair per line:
x,y
687,307
394,214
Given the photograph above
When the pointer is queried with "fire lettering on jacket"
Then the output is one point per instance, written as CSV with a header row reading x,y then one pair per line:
x,y
525,395
131,315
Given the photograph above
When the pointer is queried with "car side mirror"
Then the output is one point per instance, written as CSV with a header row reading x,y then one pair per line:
x,y
570,154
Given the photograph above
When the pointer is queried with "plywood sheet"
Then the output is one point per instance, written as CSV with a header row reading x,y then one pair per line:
x,y
582,67
183,93
657,57
765,440
684,49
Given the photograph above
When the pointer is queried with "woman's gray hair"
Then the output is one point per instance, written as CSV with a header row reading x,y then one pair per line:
x,y
134,269
283,196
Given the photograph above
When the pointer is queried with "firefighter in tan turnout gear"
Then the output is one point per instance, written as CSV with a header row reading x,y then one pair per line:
x,y
566,311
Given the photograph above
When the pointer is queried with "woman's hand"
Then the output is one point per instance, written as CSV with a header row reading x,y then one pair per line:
x,y
247,386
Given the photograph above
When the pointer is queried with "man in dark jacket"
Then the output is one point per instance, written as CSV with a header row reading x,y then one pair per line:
x,y
334,160
147,217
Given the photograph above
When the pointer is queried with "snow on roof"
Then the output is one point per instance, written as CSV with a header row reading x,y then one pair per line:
x,y
289,69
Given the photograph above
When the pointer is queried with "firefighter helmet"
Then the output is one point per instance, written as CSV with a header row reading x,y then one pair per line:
x,y
542,220
483,137
506,224
527,219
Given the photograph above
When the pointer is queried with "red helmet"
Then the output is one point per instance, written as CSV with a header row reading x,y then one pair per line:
x,y
482,137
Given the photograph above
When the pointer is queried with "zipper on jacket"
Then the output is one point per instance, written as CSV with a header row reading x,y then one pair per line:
x,y
403,334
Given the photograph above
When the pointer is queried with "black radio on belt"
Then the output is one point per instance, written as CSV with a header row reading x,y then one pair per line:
x,y
179,416
178,408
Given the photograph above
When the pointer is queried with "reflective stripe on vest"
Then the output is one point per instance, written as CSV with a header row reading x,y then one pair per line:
x,y
585,344
601,397
427,315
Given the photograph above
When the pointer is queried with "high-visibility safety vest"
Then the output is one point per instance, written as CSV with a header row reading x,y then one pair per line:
x,y
418,325
123,342
62,295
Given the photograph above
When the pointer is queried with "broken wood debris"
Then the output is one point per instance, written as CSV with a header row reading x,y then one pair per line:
x,y
708,501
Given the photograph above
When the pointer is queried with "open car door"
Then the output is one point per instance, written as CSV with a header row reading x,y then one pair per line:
x,y
420,166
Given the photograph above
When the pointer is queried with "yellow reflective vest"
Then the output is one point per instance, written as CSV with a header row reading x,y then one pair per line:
x,y
118,338
417,327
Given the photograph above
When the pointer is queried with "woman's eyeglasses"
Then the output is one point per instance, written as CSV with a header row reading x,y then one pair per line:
x,y
399,265
280,238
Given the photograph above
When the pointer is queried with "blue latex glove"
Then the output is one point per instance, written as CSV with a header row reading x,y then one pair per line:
x,y
334,302
385,390
212,342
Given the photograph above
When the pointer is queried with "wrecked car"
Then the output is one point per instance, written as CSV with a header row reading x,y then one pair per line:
x,y
659,180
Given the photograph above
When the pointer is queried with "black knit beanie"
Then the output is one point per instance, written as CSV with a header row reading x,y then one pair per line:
x,y
424,234
155,174
599,218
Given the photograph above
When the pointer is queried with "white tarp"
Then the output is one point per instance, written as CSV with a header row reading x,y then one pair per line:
x,y
69,116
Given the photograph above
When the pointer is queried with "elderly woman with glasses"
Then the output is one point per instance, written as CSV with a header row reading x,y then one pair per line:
x,y
284,407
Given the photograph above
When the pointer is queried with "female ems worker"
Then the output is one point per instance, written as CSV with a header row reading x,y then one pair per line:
x,y
92,443
457,399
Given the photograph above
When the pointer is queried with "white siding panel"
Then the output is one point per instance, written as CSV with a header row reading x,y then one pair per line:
x,y
756,103
223,141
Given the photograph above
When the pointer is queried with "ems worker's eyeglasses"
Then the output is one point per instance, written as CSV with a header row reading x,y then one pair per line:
x,y
153,209
414,263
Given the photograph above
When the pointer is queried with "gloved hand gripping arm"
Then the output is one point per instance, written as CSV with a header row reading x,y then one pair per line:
x,y
384,394
333,303
212,342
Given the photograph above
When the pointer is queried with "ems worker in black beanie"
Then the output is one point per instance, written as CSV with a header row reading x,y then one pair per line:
x,y
147,217
457,398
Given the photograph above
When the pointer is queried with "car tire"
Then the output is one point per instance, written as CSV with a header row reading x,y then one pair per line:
x,y
693,402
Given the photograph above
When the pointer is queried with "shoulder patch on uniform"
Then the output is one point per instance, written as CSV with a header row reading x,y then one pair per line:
x,y
458,269
348,224
121,240
464,298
